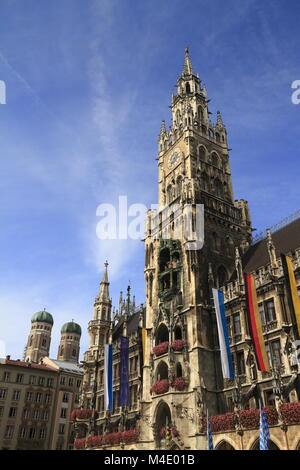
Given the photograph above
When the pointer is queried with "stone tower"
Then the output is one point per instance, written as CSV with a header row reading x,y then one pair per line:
x,y
39,339
193,168
99,330
69,345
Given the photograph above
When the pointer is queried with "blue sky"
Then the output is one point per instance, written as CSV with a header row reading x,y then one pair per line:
x,y
87,86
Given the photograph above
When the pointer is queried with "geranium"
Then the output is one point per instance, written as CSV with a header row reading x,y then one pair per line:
x,y
130,436
94,441
112,439
250,418
161,348
179,383
219,423
162,386
79,444
291,412
81,414
178,345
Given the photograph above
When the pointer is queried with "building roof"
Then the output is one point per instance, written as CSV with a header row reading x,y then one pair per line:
x,y
28,365
66,366
132,325
285,240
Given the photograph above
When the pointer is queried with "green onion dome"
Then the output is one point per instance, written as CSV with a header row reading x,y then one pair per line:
x,y
71,327
42,316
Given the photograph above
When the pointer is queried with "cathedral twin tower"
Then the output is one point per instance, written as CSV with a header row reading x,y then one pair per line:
x,y
39,339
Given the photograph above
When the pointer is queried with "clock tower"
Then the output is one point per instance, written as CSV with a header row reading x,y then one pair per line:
x,y
182,374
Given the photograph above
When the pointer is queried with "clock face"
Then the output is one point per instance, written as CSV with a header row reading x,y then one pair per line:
x,y
173,159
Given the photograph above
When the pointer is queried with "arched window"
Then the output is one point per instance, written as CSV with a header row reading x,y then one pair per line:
x,y
178,333
222,276
200,113
164,259
224,445
218,188
169,194
204,182
202,154
179,185
162,334
188,89
215,159
217,137
162,371
178,370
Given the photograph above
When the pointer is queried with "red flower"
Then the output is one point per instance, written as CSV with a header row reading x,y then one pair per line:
x,y
179,383
178,345
291,412
81,414
130,436
112,439
161,348
79,444
162,386
174,432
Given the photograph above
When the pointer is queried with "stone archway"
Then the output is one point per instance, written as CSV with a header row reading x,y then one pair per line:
x,y
271,445
224,445
162,418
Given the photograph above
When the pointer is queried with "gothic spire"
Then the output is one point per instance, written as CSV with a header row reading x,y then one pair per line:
x,y
187,66
104,290
219,120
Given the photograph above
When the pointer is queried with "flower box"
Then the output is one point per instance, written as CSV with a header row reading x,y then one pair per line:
x,y
94,441
178,345
174,432
161,348
290,412
162,386
128,437
179,384
79,444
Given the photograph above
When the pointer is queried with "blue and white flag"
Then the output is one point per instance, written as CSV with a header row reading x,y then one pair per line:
x,y
264,433
226,356
210,442
108,377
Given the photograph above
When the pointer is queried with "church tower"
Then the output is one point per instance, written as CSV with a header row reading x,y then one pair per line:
x,y
39,339
69,345
182,374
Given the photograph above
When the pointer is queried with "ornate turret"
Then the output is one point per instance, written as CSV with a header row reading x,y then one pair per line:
x,y
69,346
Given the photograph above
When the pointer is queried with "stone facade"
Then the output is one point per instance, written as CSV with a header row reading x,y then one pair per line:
x,y
181,377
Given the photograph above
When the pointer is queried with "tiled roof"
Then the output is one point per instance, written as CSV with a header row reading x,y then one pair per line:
x,y
285,240
28,365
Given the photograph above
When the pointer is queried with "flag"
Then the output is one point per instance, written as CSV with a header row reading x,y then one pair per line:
x,y
292,293
210,442
255,323
226,356
108,377
264,433
124,379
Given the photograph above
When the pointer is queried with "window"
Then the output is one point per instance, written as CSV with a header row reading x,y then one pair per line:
x,y
25,413
262,312
35,414
29,396
20,378
76,398
71,381
273,352
38,397
16,395
50,383
45,415
270,310
41,380
12,412
9,431
65,398
79,381
3,393
62,380
63,413
240,363
61,429
32,380
42,433
47,398
22,433
236,324
6,376
269,397
31,433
